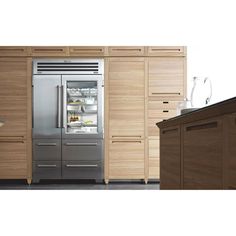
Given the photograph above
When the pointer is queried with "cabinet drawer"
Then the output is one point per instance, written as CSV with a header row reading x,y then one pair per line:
x,y
162,114
126,51
166,76
162,105
154,168
12,149
46,170
13,169
49,51
126,118
47,150
82,150
82,170
126,77
166,51
13,51
126,159
87,51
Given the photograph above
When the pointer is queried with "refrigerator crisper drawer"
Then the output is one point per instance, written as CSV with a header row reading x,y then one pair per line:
x,y
83,149
47,149
82,170
46,170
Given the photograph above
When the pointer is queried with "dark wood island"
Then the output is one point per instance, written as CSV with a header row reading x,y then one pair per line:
x,y
198,149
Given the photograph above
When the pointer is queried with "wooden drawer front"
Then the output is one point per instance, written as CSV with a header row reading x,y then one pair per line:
x,y
126,159
154,168
126,118
166,76
49,51
166,51
170,174
203,155
126,51
12,150
13,51
162,105
87,51
13,110
13,169
162,114
126,77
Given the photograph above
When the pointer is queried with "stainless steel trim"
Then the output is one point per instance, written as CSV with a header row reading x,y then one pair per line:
x,y
46,144
46,166
75,166
81,144
58,107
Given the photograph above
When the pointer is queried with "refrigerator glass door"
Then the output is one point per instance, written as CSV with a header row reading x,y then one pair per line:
x,y
83,106
47,106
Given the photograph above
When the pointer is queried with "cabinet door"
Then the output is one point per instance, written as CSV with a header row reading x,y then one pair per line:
x,y
126,159
126,118
13,51
170,160
203,154
87,51
126,77
126,51
154,158
49,51
13,96
166,76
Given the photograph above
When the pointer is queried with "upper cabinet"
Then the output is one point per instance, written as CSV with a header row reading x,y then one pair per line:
x,y
13,51
166,51
166,76
53,51
126,51
87,51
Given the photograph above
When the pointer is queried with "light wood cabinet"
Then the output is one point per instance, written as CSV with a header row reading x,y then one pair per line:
x,y
15,105
166,76
166,51
126,51
14,51
87,51
53,51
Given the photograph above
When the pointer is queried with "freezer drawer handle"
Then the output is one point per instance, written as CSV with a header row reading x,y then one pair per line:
x,y
46,144
47,166
75,166
81,144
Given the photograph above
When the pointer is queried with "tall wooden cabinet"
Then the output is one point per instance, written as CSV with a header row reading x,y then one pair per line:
x,y
15,135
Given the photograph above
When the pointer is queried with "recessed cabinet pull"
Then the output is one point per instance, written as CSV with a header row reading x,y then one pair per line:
x,y
165,111
77,165
166,49
166,93
81,144
127,49
126,141
165,102
209,125
48,49
46,166
11,141
46,144
126,136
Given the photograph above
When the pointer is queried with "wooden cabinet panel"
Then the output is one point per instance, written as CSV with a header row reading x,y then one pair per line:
x,y
154,158
126,51
166,51
87,51
126,118
230,148
13,169
203,171
166,76
6,51
49,51
126,77
126,159
13,96
14,149
170,174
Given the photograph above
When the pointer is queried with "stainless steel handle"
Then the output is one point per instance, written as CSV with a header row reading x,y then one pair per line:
x,y
76,166
46,166
62,107
58,107
46,144
81,144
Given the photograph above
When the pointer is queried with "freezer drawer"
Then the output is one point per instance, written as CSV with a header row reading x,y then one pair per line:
x,y
82,150
46,170
46,149
82,170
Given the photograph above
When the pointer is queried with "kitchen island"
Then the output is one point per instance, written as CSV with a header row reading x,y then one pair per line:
x,y
198,149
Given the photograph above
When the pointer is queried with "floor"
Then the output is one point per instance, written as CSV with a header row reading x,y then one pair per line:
x,y
76,185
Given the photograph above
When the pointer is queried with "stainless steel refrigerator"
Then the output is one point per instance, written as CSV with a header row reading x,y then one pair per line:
x,y
68,119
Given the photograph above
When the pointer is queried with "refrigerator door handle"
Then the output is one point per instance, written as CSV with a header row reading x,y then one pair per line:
x,y
58,107
81,144
62,107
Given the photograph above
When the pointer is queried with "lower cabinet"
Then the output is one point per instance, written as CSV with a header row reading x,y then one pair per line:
x,y
154,159
126,159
